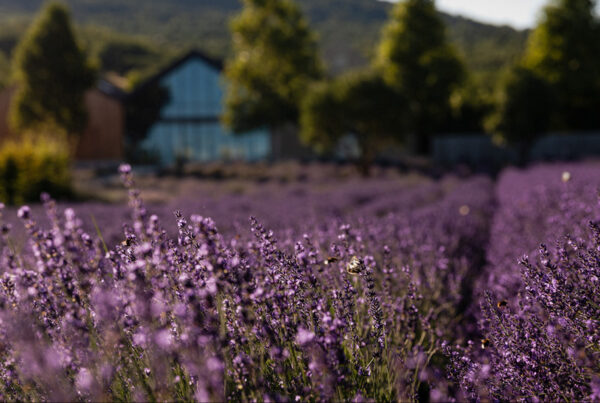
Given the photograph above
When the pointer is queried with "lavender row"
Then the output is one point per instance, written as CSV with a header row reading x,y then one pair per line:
x,y
540,316
536,206
349,298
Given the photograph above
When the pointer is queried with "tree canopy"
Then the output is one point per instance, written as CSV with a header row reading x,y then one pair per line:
x,y
416,58
556,86
360,104
274,59
123,55
144,105
525,109
52,75
348,29
564,50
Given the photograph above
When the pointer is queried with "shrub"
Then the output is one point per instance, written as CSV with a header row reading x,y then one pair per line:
x,y
352,309
32,166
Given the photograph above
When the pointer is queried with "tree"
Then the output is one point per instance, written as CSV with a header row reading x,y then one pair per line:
x,y
4,70
123,54
415,57
524,111
52,75
143,108
274,60
361,104
470,106
564,50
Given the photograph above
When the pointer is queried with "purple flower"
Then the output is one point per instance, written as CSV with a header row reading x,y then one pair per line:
x,y
24,212
125,169
304,337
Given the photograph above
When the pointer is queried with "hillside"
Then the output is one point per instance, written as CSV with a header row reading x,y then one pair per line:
x,y
348,29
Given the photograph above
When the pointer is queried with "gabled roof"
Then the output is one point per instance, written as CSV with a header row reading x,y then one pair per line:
x,y
194,54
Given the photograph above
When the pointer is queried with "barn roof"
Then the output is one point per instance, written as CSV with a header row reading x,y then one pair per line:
x,y
193,54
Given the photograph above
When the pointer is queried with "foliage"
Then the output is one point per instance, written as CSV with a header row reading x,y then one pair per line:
x,y
487,50
348,29
275,58
139,53
415,57
361,104
52,75
143,108
564,50
470,105
124,55
13,27
31,166
525,109
556,86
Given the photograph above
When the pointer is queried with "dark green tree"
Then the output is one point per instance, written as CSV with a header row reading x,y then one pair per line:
x,y
122,54
142,110
274,60
415,57
524,111
564,50
52,75
470,106
361,104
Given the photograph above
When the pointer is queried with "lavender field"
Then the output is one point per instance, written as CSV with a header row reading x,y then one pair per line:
x,y
391,289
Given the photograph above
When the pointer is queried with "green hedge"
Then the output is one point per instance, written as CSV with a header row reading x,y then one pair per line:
x,y
30,167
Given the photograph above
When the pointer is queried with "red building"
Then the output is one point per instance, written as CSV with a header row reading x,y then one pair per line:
x,y
103,138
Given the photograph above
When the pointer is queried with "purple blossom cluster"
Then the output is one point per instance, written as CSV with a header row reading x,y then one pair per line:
x,y
349,299
539,317
376,290
538,205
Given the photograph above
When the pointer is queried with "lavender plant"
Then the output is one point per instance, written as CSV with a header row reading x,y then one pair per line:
x,y
539,337
341,293
347,304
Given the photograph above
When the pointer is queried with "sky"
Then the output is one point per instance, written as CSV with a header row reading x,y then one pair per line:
x,y
518,13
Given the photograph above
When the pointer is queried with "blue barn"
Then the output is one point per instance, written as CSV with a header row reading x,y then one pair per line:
x,y
189,126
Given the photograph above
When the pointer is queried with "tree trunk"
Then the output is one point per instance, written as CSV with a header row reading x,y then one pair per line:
x,y
422,143
367,156
364,167
523,152
73,143
286,144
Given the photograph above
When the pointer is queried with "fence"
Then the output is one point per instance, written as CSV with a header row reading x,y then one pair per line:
x,y
480,152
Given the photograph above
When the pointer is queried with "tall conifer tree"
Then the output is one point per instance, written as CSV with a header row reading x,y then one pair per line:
x,y
52,75
275,58
564,50
415,57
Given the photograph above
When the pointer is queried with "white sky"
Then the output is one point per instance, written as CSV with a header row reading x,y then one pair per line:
x,y
518,13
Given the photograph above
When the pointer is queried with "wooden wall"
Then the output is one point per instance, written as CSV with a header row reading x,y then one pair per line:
x,y
104,135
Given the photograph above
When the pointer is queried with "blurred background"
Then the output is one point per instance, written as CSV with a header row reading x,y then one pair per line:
x,y
257,90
